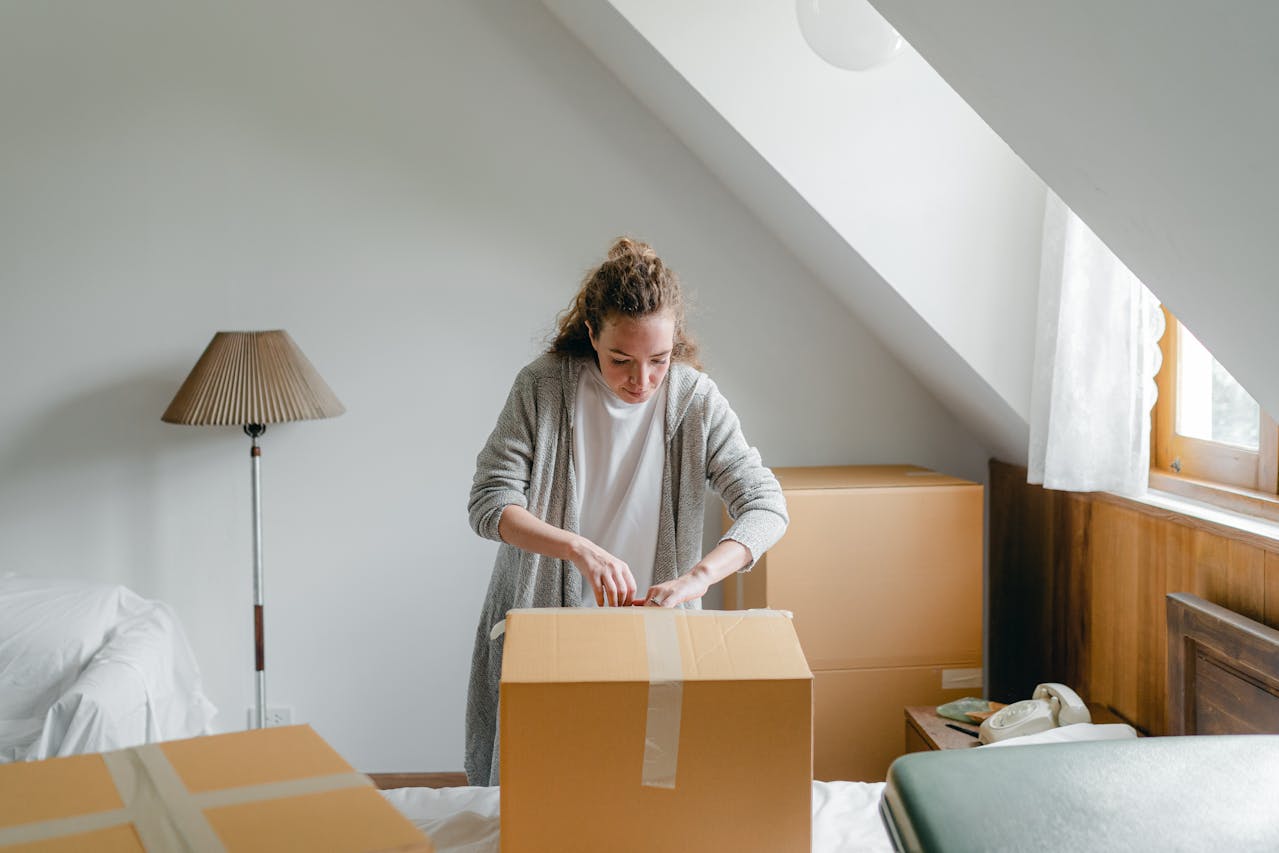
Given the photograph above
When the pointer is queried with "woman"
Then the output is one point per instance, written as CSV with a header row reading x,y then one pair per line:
x,y
594,478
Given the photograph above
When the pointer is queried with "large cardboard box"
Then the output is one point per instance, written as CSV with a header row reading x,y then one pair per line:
x,y
882,568
650,729
262,790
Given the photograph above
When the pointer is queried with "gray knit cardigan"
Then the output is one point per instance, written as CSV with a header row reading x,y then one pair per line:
x,y
528,461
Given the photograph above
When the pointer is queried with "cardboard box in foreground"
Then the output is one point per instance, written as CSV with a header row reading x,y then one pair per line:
x,y
650,729
267,789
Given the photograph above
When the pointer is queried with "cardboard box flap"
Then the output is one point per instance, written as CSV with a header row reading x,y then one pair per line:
x,y
589,645
863,477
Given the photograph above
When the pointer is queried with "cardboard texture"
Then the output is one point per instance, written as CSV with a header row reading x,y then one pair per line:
x,y
590,758
882,568
267,789
849,703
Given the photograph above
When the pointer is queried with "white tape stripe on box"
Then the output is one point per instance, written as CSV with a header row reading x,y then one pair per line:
x,y
29,833
665,699
166,816
957,678
280,790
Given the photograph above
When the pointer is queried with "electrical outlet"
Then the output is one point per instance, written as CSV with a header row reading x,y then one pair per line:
x,y
275,716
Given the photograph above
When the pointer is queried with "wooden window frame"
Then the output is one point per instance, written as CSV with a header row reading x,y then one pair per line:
x,y
1230,477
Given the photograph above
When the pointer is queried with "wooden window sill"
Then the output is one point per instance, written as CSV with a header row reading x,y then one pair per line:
x,y
1247,502
1239,526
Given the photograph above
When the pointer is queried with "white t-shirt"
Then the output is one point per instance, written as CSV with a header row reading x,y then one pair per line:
x,y
618,455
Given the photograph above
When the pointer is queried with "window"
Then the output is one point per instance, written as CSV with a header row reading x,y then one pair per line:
x,y
1208,432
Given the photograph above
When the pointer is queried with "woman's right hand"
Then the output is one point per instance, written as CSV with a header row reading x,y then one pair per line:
x,y
609,577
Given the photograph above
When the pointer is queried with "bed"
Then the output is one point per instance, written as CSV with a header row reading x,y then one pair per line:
x,y
1223,670
846,815
466,820
1213,784
91,667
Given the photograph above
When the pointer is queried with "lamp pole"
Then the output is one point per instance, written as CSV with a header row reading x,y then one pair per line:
x,y
259,639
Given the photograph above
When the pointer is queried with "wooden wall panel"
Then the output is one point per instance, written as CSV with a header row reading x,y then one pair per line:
x,y
1228,573
1074,658
1161,545
1272,590
1246,581
1022,527
1114,545
1077,590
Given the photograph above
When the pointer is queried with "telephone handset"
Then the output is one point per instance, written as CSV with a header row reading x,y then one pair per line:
x,y
1050,705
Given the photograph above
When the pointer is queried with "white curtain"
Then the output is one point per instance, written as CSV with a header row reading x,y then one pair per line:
x,y
1096,356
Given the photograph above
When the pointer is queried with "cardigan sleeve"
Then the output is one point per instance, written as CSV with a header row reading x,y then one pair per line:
x,y
736,473
504,465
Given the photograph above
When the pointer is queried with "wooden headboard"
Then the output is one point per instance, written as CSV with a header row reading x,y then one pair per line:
x,y
1223,670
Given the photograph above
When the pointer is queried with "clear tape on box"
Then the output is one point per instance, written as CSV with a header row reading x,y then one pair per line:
x,y
954,679
665,699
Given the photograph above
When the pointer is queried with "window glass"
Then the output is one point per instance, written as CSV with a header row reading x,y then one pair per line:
x,y
1211,405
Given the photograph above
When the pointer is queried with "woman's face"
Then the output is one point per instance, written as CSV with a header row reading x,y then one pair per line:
x,y
634,354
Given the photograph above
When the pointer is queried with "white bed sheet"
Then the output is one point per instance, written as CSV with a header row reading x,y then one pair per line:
x,y
465,820
845,814
91,667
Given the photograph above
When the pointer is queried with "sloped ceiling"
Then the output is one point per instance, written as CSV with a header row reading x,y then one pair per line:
x,y
946,278
1156,122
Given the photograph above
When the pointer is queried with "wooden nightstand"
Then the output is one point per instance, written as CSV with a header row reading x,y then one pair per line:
x,y
927,730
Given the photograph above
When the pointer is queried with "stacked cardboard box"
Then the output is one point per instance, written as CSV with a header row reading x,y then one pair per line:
x,y
650,729
882,569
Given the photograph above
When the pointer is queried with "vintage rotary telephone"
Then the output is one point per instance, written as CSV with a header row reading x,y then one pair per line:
x,y
1050,705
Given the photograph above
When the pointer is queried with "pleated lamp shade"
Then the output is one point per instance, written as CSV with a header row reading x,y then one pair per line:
x,y
252,378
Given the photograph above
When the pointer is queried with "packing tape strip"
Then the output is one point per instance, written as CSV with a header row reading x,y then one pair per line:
x,y
29,833
164,813
665,698
165,816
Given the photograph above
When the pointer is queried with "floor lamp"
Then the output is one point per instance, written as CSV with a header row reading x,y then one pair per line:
x,y
251,379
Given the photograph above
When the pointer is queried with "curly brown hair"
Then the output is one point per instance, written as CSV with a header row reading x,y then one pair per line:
x,y
633,282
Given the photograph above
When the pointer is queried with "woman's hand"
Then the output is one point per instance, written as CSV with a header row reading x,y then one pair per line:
x,y
724,559
609,577
684,588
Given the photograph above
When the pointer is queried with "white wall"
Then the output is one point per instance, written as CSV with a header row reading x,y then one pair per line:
x,y
413,191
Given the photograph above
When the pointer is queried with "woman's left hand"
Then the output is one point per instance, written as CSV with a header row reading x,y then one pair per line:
x,y
684,588
724,559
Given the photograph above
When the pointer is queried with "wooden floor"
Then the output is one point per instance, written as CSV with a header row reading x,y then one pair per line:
x,y
386,781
